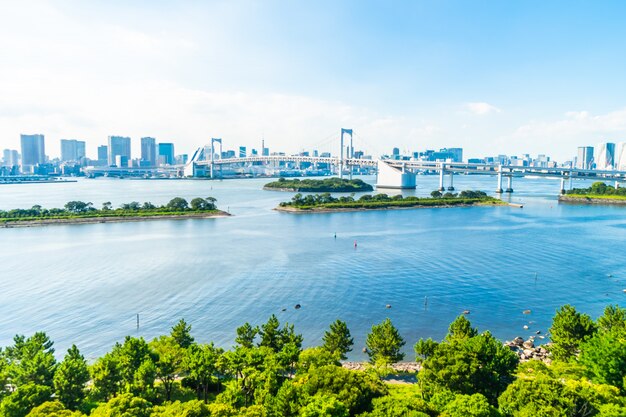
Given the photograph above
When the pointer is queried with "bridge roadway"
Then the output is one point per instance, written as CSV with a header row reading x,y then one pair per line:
x,y
448,167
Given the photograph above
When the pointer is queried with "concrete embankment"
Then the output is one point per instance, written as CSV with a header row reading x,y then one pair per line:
x,y
591,200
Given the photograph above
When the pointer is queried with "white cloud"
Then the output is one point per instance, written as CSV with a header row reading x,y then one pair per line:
x,y
481,108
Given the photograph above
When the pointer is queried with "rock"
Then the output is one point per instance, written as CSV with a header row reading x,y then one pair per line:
x,y
364,350
538,332
297,306
467,311
529,344
525,327
528,353
526,312
388,306
518,341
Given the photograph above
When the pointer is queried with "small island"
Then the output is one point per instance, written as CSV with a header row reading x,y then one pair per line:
x,y
598,193
79,212
327,185
325,203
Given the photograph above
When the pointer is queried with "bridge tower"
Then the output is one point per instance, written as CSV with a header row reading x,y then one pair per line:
x,y
350,152
212,159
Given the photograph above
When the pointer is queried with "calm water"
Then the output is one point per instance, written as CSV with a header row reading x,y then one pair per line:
x,y
84,284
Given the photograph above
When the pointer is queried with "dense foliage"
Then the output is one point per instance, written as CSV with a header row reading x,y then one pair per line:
x,y
268,373
327,201
598,188
334,185
81,209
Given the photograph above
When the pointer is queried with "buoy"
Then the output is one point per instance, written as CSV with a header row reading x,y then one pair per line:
x,y
610,275
297,306
355,243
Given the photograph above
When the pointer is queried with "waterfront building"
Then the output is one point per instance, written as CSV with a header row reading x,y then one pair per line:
x,y
33,152
166,153
584,159
72,150
118,146
265,151
242,151
148,152
395,153
605,154
10,158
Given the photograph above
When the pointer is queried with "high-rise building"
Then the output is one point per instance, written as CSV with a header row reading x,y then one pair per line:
x,y
620,157
10,158
166,153
118,146
72,149
605,155
242,151
148,151
33,151
395,153
103,154
584,159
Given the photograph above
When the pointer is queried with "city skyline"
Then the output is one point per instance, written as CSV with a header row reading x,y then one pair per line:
x,y
490,78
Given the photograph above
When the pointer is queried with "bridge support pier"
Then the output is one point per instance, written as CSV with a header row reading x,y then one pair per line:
x,y
509,188
616,185
441,174
451,187
499,186
562,185
392,177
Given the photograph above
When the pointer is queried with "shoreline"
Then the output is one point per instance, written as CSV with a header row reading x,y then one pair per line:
x,y
579,199
293,210
111,219
299,190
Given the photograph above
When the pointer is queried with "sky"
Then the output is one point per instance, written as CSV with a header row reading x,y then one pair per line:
x,y
492,77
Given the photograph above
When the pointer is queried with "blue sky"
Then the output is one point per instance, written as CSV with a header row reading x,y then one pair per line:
x,y
490,76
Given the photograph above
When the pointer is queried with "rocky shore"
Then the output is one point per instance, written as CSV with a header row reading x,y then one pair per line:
x,y
526,350
397,367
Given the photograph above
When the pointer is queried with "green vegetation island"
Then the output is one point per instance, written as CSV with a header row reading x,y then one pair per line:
x,y
327,185
598,193
267,373
79,212
325,203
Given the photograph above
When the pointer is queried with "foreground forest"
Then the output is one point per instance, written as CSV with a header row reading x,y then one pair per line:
x,y
267,373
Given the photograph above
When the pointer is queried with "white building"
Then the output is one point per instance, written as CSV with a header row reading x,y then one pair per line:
x,y
605,156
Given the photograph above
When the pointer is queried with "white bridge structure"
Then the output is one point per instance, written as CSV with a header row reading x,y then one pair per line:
x,y
399,174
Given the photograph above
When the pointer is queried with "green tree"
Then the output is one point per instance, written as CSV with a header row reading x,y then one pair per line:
x,y
479,364
424,349
24,399
354,389
201,365
436,194
177,204
53,409
384,343
169,362
31,360
70,378
569,329
77,207
613,318
324,406
135,362
604,357
270,334
181,332
316,357
245,335
193,408
124,405
338,339
475,405
106,377
460,329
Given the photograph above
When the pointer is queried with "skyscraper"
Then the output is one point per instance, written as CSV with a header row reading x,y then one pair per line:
x,y
166,153
118,146
33,151
584,159
242,152
605,156
72,150
148,151
10,158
